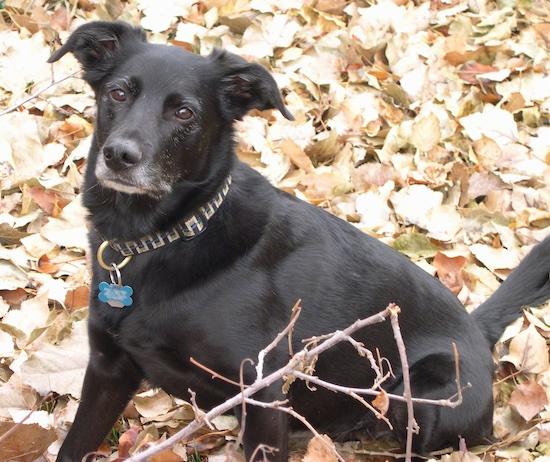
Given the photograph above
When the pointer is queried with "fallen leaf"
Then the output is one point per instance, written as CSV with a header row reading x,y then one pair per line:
x,y
460,456
165,456
14,297
372,174
469,72
58,368
449,271
296,155
46,266
426,133
514,103
26,444
77,298
543,29
494,123
488,152
49,201
127,441
528,351
153,403
495,258
9,235
528,399
415,245
320,449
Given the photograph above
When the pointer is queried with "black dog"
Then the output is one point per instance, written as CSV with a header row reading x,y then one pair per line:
x,y
220,257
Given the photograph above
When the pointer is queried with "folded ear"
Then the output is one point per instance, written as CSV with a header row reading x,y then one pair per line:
x,y
244,86
95,44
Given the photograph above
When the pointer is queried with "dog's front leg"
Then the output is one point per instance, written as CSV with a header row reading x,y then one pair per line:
x,y
110,381
266,429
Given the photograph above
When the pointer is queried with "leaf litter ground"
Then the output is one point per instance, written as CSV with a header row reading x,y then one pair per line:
x,y
425,124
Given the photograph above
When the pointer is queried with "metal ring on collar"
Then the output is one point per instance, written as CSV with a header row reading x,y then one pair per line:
x,y
101,261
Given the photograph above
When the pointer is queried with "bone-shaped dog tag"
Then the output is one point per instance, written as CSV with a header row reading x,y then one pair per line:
x,y
115,295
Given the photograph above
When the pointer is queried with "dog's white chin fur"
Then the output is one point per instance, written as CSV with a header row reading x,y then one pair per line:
x,y
123,187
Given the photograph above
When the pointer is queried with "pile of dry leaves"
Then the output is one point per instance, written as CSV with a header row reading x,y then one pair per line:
x,y
423,123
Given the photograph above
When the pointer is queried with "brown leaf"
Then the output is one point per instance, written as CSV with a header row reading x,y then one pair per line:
x,y
165,456
543,29
46,266
449,271
26,443
296,155
469,71
318,450
49,201
321,187
77,298
528,399
488,152
325,150
456,58
126,441
381,402
10,235
392,114
14,297
515,102
331,6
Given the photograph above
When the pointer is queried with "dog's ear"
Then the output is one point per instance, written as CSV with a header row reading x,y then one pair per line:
x,y
96,43
244,86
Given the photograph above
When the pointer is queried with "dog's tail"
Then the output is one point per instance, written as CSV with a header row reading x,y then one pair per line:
x,y
528,284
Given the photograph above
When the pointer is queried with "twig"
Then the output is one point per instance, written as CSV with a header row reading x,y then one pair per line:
x,y
296,309
243,403
265,449
12,430
449,402
215,375
412,426
199,413
278,405
300,362
299,358
37,94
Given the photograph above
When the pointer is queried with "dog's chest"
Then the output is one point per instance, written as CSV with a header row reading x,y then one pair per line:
x,y
215,323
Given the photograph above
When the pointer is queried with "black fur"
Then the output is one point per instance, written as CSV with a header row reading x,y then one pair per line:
x,y
223,296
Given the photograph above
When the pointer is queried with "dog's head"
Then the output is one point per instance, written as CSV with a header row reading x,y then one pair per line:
x,y
161,110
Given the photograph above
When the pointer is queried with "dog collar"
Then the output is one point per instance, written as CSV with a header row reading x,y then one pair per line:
x,y
189,228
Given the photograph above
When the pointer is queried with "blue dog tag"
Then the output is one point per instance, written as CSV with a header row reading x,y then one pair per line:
x,y
115,295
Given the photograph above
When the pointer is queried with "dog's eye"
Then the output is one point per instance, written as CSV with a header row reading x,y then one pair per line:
x,y
184,113
118,95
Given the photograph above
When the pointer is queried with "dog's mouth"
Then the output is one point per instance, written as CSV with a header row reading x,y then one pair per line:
x,y
125,186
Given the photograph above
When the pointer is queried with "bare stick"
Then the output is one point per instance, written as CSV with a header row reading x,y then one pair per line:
x,y
264,449
243,403
12,430
215,375
296,309
299,358
412,426
199,413
279,405
449,402
301,361
37,94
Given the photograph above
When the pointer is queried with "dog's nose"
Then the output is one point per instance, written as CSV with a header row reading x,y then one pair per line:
x,y
120,155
